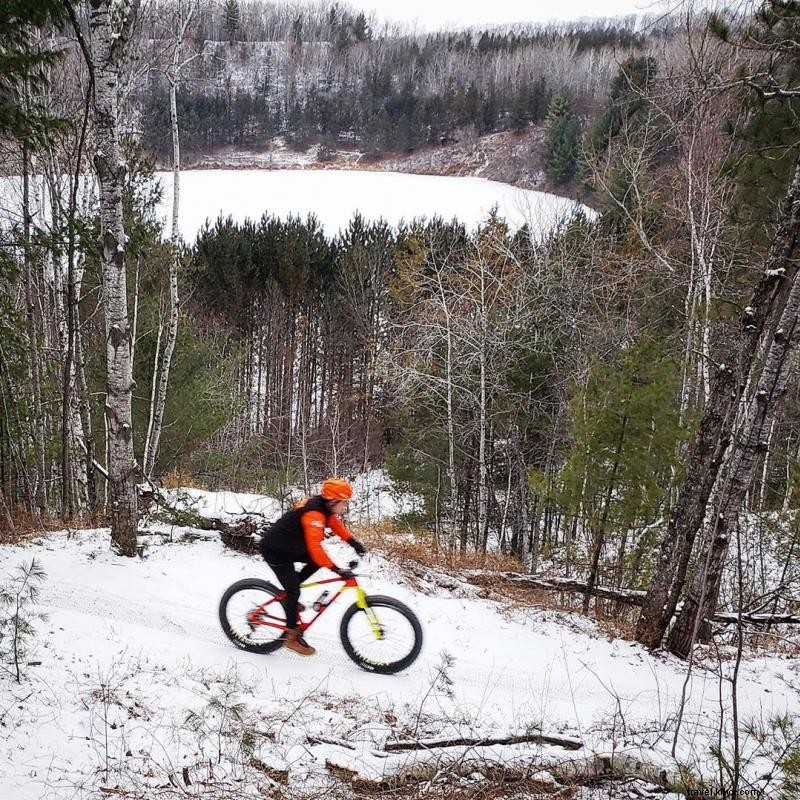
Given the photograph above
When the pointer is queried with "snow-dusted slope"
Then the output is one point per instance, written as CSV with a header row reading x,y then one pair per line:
x,y
132,660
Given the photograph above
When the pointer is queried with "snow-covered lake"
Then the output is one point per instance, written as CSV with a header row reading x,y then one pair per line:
x,y
334,196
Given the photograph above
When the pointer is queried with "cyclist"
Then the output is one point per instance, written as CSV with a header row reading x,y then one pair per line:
x,y
297,537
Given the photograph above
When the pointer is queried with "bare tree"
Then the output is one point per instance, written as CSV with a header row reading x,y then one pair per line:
x,y
183,14
110,25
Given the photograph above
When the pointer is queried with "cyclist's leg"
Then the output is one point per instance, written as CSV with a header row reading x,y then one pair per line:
x,y
307,571
289,580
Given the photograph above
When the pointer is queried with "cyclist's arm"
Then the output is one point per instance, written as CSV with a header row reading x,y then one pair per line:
x,y
339,528
313,523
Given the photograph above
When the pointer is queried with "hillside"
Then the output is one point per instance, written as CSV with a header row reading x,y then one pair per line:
x,y
132,691
508,156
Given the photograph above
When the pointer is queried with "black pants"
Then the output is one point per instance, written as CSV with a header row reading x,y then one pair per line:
x,y
290,579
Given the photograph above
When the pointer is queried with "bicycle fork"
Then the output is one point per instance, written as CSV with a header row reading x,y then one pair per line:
x,y
361,602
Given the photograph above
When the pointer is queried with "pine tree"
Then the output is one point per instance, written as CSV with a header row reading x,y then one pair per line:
x,y
521,107
231,19
625,432
23,63
561,140
361,29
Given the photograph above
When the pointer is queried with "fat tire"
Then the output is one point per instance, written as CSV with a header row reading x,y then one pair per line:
x,y
376,601
241,643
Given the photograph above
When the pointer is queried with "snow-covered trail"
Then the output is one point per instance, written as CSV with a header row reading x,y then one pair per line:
x,y
151,625
167,605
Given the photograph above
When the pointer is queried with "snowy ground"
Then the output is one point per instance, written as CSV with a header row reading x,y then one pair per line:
x,y
334,196
138,689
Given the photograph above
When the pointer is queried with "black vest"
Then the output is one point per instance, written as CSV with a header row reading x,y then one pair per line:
x,y
284,541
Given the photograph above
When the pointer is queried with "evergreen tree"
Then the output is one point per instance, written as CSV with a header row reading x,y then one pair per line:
x,y
628,101
23,63
561,140
768,132
361,29
521,107
625,432
231,19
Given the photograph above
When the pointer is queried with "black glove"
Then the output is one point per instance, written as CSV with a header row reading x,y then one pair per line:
x,y
357,546
344,573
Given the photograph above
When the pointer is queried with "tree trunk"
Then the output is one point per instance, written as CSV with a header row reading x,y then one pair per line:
x,y
40,486
768,337
5,514
174,265
110,23
762,404
598,535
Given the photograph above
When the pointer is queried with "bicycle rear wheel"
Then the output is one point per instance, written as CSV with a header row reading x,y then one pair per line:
x,y
385,637
251,616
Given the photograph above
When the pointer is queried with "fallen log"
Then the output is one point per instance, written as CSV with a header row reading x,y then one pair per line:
x,y
731,617
631,597
506,766
534,738
240,533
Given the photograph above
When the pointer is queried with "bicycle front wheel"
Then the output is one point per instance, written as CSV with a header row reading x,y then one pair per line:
x,y
251,616
385,637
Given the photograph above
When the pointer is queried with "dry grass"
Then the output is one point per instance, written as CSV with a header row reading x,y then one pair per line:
x,y
28,526
175,479
403,544
412,549
453,789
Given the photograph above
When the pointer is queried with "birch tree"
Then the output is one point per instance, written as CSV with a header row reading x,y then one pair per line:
x,y
183,17
110,25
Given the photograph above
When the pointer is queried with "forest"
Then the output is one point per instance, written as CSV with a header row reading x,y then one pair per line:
x,y
616,403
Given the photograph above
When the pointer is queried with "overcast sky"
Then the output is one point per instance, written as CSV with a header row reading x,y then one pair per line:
x,y
433,14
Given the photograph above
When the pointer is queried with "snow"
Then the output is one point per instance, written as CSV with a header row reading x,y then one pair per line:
x,y
374,498
134,671
334,196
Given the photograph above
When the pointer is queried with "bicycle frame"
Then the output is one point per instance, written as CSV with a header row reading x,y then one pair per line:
x,y
260,615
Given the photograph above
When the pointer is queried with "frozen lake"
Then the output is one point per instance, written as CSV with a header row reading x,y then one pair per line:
x,y
334,196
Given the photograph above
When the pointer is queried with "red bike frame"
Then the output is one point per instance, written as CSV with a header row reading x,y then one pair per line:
x,y
260,614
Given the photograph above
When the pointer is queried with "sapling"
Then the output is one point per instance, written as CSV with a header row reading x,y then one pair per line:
x,y
17,616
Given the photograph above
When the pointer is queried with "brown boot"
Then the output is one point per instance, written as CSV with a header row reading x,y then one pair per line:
x,y
295,642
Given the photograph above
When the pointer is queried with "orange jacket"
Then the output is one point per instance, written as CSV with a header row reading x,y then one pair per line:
x,y
298,534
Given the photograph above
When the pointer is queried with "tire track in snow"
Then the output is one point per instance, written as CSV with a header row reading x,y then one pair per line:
x,y
200,624
94,603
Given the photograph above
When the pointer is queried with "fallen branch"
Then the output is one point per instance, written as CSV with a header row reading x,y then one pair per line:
x,y
536,738
757,619
631,597
330,740
239,533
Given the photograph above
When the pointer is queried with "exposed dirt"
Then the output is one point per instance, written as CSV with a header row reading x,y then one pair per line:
x,y
507,156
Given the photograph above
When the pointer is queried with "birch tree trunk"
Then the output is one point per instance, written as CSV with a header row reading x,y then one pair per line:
x,y
154,434
110,23
483,472
451,436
